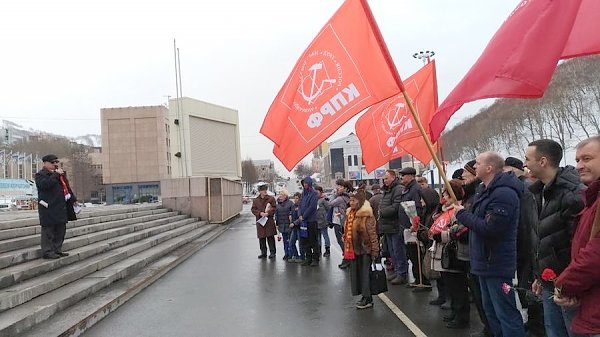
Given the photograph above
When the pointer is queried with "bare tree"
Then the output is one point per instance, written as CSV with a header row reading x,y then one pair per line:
x,y
303,170
249,173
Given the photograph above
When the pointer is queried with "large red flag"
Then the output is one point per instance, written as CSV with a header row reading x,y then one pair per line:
x,y
519,60
584,38
345,69
388,130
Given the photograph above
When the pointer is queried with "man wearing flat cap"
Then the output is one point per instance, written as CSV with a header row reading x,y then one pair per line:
x,y
56,200
411,193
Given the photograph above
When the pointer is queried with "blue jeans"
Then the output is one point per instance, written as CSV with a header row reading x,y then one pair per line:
x,y
397,248
325,234
504,318
295,237
557,320
286,243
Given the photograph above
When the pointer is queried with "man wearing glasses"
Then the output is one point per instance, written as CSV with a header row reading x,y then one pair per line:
x,y
54,198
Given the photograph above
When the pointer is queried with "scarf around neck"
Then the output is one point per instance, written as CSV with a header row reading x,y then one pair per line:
x,y
348,239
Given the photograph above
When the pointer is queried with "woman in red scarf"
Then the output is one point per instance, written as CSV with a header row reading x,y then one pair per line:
x,y
361,246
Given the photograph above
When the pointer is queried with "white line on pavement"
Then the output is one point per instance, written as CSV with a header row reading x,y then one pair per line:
x,y
409,324
401,316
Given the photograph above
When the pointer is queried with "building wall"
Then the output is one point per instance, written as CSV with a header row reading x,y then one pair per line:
x,y
204,139
134,144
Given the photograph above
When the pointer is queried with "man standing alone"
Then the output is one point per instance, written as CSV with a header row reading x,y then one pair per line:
x,y
55,196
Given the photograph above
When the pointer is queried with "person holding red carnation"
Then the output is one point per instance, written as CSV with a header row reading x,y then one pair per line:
x,y
558,197
579,283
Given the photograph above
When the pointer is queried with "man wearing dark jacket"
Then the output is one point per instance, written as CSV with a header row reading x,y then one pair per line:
x,y
411,193
55,199
558,198
389,210
580,281
492,222
528,222
308,223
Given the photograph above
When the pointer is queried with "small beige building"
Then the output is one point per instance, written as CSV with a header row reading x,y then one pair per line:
x,y
135,152
205,139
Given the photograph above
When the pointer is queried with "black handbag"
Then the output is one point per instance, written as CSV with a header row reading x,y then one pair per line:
x,y
449,259
377,280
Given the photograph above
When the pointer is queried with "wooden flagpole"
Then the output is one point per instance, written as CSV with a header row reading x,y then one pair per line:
x,y
429,145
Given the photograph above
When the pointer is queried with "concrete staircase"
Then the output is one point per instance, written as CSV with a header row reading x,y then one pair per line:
x,y
114,253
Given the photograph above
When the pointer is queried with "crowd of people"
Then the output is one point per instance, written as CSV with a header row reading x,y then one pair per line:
x,y
517,238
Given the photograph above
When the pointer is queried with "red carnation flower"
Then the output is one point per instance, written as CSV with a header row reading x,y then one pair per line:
x,y
549,275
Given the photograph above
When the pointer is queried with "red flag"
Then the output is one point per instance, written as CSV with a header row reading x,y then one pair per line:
x,y
519,60
388,130
345,69
584,38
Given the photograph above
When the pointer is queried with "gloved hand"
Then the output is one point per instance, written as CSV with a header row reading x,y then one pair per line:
x,y
457,231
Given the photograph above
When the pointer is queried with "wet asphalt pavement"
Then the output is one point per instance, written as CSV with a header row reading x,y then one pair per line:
x,y
224,290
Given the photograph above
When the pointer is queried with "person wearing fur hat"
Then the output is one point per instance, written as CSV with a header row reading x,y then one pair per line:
x,y
361,246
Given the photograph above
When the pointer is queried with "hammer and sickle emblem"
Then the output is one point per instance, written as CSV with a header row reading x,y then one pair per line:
x,y
315,89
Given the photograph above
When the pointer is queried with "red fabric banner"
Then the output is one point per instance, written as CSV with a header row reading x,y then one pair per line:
x,y
521,57
584,38
388,130
344,70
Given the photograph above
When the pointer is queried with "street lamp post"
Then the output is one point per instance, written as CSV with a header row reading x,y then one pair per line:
x,y
426,56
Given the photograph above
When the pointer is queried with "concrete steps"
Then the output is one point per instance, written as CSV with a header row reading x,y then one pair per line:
x,y
105,246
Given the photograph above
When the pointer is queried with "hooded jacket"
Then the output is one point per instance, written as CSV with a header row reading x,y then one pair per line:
x,y
558,204
308,203
492,223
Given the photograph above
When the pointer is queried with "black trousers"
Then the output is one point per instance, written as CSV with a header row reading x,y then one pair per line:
x,y
360,268
441,288
413,256
476,292
312,249
456,284
263,245
52,238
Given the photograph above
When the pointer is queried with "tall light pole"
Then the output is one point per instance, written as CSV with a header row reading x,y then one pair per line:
x,y
425,56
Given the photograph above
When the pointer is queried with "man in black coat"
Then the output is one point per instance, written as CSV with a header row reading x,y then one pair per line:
x,y
411,193
55,199
389,210
558,198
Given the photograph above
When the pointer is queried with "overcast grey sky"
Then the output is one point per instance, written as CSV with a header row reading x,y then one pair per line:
x,y
64,60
